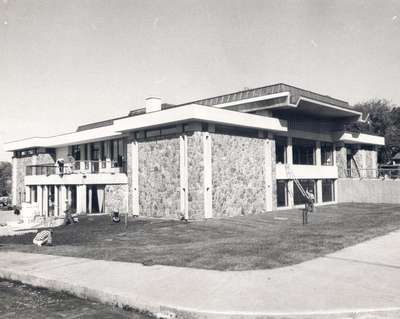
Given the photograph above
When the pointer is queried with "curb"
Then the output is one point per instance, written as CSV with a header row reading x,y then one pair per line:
x,y
157,310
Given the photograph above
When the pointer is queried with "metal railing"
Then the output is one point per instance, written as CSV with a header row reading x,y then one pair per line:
x,y
390,173
77,167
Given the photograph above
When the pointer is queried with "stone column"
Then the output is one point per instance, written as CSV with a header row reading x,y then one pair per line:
x,y
207,174
183,160
133,173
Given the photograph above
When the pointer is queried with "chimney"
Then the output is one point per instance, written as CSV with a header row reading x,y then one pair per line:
x,y
152,104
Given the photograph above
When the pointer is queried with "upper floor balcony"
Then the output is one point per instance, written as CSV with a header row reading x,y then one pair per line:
x,y
77,172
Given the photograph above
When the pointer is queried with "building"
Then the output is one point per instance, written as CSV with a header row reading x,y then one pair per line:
x,y
234,154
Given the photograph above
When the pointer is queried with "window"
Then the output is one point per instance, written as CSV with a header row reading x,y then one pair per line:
x,y
303,152
328,190
34,194
280,149
307,184
282,193
76,152
327,154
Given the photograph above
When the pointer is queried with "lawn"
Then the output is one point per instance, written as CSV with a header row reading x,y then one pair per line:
x,y
248,242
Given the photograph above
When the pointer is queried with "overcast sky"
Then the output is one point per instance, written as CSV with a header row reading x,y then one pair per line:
x,y
65,63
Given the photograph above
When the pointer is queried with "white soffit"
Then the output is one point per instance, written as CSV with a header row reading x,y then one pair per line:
x,y
87,136
361,138
197,112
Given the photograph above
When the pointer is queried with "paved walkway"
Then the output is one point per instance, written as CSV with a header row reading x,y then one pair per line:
x,y
359,279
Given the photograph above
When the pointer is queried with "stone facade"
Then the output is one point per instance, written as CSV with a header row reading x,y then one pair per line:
x,y
116,198
20,172
238,175
341,160
196,175
159,177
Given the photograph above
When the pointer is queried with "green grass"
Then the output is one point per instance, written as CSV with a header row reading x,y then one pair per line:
x,y
239,243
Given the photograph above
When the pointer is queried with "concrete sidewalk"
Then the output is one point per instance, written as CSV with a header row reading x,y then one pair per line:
x,y
361,279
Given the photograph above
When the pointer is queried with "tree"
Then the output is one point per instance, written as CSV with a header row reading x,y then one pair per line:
x,y
384,120
5,178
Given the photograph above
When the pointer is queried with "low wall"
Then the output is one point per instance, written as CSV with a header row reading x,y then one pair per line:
x,y
368,190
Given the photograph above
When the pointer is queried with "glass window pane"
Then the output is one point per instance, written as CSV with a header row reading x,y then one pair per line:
x,y
303,152
307,184
282,193
280,149
328,190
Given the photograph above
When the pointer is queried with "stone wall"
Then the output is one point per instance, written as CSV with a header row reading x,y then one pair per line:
x,y
368,190
159,177
195,175
116,198
238,175
341,160
21,164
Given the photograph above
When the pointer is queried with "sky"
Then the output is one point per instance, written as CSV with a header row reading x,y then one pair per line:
x,y
66,63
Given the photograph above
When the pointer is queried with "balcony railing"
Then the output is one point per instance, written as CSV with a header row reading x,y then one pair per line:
x,y
78,167
390,173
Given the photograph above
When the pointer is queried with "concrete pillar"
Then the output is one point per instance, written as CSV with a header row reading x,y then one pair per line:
x,y
290,193
318,153
319,191
14,181
134,154
27,194
63,198
268,172
82,151
45,200
107,152
90,197
207,174
81,199
56,201
289,150
40,199
183,160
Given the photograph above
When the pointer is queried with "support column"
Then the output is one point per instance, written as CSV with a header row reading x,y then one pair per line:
x,y
45,200
270,174
63,198
81,199
14,181
184,176
289,150
56,201
90,197
319,191
40,199
107,145
27,194
135,177
291,193
83,157
318,153
207,175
